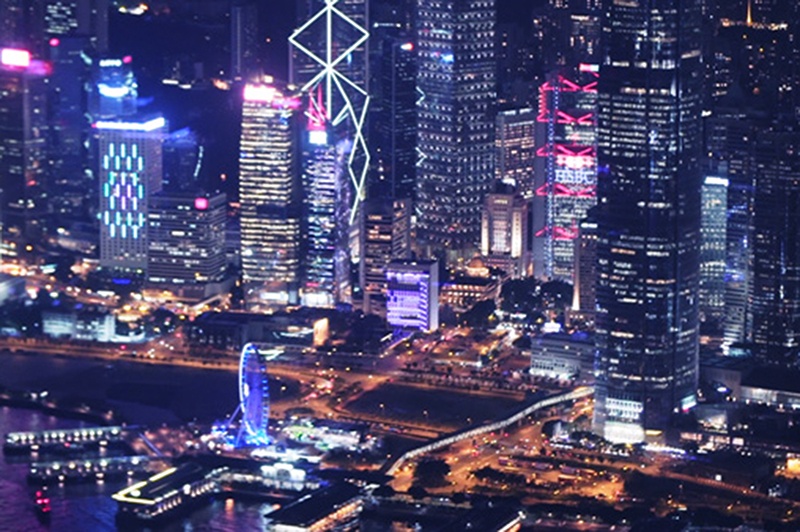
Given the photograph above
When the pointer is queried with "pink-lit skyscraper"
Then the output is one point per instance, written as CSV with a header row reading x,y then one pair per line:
x,y
565,168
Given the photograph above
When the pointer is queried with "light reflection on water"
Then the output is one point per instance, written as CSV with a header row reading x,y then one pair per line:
x,y
89,507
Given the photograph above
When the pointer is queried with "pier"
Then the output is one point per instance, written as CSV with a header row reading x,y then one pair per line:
x,y
20,442
91,469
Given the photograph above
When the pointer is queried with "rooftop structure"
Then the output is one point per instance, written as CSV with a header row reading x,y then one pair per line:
x,y
165,492
324,509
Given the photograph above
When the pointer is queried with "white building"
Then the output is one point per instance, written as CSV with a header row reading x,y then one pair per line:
x,y
562,356
270,222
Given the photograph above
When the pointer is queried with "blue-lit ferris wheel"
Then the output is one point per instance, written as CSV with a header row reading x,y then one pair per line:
x,y
253,397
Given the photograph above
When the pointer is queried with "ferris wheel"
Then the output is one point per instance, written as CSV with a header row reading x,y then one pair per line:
x,y
253,396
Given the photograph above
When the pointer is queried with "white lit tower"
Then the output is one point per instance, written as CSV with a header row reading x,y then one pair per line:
x,y
329,61
455,122
270,219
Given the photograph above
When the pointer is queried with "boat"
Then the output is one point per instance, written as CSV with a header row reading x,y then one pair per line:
x,y
42,502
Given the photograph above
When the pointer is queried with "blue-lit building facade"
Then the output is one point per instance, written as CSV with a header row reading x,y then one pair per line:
x,y
129,170
648,217
455,122
412,294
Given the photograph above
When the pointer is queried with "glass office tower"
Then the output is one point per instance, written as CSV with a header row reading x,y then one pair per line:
x,y
455,121
648,216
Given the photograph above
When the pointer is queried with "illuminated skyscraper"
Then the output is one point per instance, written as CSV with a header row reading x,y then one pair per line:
x,y
516,149
329,58
648,217
268,194
713,250
23,127
455,121
130,171
186,239
326,202
566,167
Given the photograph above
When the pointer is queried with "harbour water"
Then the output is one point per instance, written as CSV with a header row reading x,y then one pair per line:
x,y
89,507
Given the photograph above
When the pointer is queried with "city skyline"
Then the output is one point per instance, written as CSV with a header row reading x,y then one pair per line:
x,y
499,264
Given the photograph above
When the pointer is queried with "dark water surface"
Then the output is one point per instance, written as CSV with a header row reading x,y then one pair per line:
x,y
143,394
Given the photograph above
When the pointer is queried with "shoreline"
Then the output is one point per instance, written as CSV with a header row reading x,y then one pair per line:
x,y
6,399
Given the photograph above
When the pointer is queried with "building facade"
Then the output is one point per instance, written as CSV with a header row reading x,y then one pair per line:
x,y
455,122
412,300
775,277
504,232
516,149
584,288
186,241
130,171
395,120
268,195
386,225
23,148
648,217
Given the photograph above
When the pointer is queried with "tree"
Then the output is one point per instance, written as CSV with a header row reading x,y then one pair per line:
x,y
479,315
521,295
63,271
431,473
557,294
417,492
384,491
